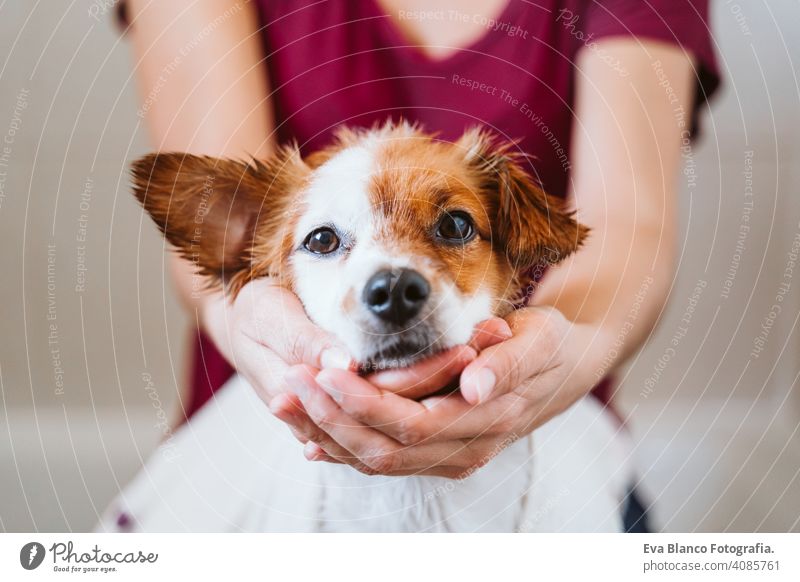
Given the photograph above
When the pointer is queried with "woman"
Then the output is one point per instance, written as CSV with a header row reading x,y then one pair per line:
x,y
600,93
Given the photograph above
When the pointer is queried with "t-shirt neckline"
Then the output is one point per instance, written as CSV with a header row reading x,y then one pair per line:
x,y
398,39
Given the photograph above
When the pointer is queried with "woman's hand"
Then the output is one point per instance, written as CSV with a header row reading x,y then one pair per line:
x,y
508,390
264,331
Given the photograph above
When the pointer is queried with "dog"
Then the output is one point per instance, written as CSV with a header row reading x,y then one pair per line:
x,y
399,244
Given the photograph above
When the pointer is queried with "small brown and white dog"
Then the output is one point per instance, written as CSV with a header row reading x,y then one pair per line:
x,y
399,244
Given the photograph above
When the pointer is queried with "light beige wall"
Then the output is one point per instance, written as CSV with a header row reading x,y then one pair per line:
x,y
717,424
67,104
67,207
715,435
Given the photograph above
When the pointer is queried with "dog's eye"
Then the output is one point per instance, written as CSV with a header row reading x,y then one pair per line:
x,y
456,227
322,241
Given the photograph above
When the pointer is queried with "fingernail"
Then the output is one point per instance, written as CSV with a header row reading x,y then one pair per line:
x,y
431,402
299,386
331,390
392,376
311,451
280,410
464,355
335,358
301,390
485,380
504,330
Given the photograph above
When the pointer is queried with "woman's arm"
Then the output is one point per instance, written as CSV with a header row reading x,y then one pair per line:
x,y
595,309
202,87
589,313
626,154
204,90
202,82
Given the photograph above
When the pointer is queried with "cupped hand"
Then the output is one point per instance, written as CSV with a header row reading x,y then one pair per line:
x,y
264,331
510,388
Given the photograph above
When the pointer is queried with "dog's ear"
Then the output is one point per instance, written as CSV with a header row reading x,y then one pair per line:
x,y
216,211
530,226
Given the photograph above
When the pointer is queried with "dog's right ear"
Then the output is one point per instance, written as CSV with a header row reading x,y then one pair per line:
x,y
215,210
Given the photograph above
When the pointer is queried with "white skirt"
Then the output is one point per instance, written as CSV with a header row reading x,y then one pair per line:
x,y
235,467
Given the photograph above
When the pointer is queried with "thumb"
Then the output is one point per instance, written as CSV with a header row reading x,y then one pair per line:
x,y
283,326
503,367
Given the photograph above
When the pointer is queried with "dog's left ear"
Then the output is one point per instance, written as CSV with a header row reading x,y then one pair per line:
x,y
530,226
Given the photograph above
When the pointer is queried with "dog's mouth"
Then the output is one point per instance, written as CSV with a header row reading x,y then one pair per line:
x,y
398,352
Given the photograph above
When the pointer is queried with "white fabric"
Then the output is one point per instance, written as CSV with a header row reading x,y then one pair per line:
x,y
235,467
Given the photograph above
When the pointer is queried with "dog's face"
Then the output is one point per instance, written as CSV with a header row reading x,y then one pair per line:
x,y
397,243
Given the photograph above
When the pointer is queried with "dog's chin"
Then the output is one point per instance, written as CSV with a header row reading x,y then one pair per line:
x,y
398,353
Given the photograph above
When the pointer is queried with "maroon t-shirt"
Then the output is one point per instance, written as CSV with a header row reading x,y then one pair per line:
x,y
335,62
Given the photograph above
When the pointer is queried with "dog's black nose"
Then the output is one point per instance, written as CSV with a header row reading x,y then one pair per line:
x,y
396,296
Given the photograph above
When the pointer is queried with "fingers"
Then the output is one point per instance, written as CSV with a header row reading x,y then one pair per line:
x,y
490,332
410,422
313,452
289,409
359,442
532,350
280,323
428,376
434,373
261,367
374,452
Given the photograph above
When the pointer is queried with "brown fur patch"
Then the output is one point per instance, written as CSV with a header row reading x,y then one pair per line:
x,y
223,215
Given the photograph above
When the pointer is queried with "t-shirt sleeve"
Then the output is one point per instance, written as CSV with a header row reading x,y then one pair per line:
x,y
684,23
